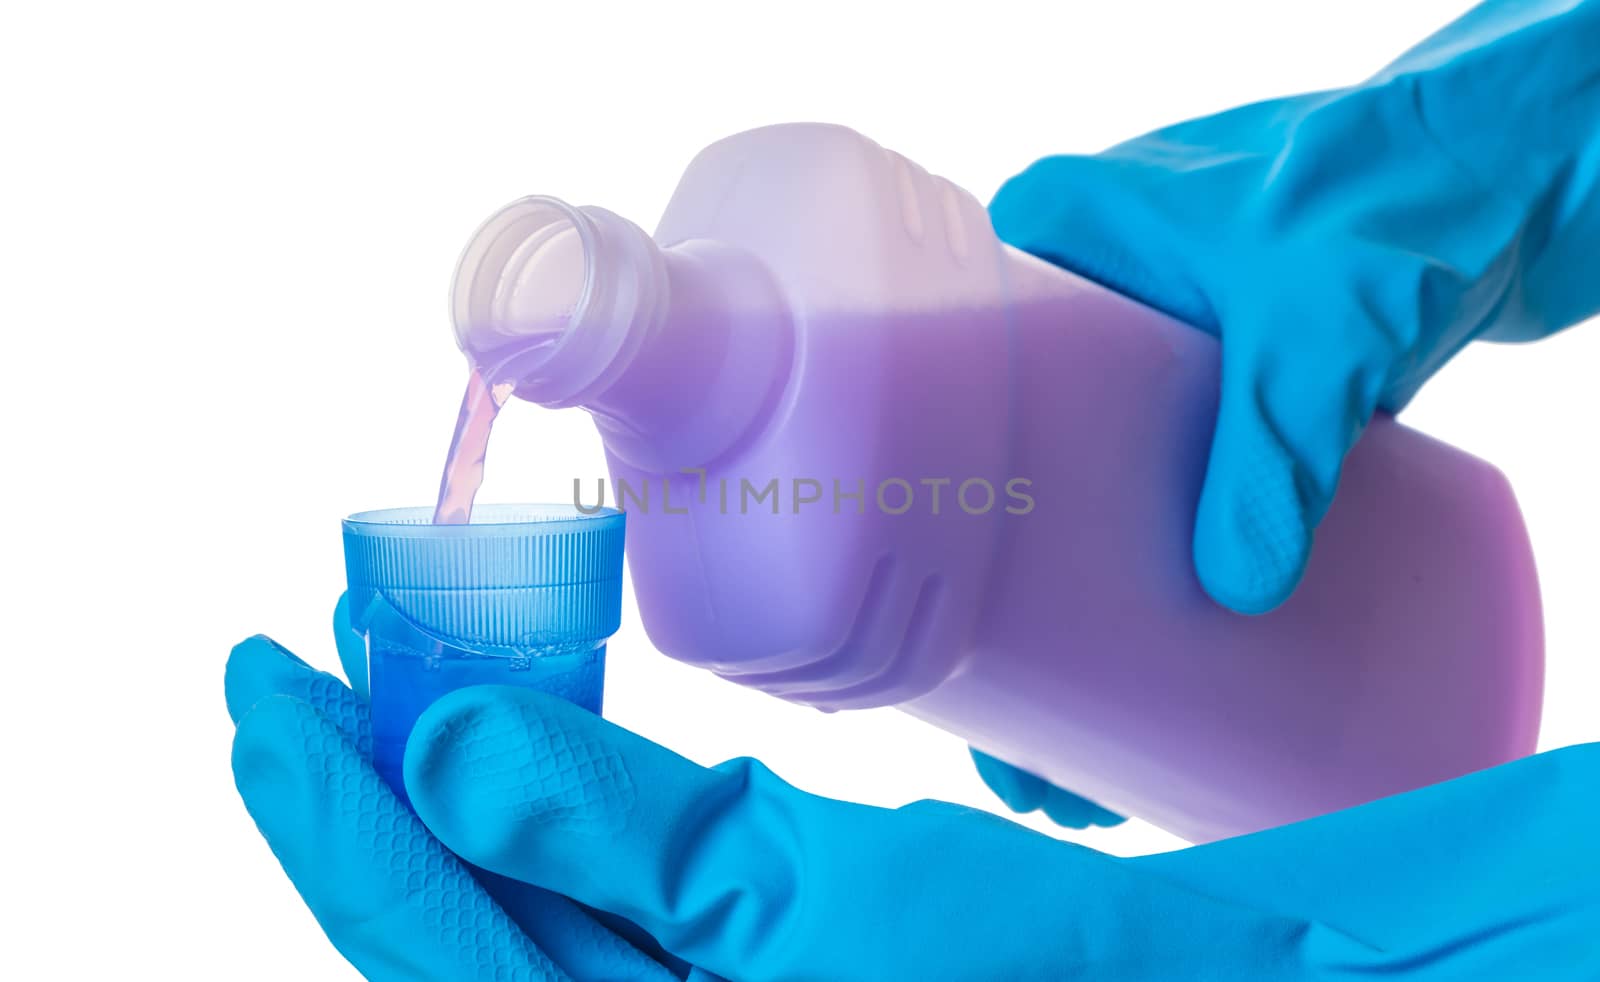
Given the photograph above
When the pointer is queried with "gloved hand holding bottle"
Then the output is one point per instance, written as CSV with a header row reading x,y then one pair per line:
x,y
732,871
820,339
1343,245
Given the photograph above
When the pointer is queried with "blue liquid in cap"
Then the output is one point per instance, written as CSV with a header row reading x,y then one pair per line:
x,y
405,682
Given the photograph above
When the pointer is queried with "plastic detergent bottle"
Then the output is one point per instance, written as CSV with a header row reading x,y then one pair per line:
x,y
873,457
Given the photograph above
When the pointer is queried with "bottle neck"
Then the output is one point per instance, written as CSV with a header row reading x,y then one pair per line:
x,y
676,352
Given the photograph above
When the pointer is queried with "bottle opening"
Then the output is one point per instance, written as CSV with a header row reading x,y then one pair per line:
x,y
522,279
555,299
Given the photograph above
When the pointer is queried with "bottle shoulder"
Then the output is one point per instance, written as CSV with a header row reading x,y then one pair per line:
x,y
844,223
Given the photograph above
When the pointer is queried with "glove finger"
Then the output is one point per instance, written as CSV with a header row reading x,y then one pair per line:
x,y
352,645
574,938
1289,413
1023,792
734,870
388,895
259,667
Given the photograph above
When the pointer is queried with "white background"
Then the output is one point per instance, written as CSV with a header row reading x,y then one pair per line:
x,y
227,238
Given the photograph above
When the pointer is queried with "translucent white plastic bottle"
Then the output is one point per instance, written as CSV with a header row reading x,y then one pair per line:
x,y
891,461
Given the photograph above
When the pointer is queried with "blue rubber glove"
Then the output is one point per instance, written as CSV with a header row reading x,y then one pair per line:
x,y
1025,792
393,900
733,870
1343,245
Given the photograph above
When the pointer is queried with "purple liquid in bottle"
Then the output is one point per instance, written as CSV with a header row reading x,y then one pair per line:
x,y
821,338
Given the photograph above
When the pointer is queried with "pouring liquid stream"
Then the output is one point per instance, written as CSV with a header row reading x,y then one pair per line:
x,y
412,667
463,467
